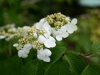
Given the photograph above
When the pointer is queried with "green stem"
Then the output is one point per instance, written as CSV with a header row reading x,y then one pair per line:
x,y
85,56
23,61
4,45
10,52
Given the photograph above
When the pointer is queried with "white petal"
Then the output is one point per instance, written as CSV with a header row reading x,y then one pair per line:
x,y
47,52
47,35
40,52
41,39
74,21
27,46
74,27
26,51
68,18
46,59
59,37
2,37
15,45
54,32
24,33
63,28
70,28
65,34
38,25
50,42
42,20
26,27
46,26
22,54
39,57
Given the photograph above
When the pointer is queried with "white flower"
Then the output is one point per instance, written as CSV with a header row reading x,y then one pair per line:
x,y
24,51
24,32
60,33
21,53
44,54
2,37
48,41
27,46
71,27
43,25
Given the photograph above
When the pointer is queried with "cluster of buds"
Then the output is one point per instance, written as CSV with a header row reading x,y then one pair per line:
x,y
43,35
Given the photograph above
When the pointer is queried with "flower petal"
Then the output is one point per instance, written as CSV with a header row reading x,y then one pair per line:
x,y
47,52
41,39
27,46
39,57
65,34
42,20
38,25
46,59
2,37
69,28
50,43
59,37
15,45
74,21
22,54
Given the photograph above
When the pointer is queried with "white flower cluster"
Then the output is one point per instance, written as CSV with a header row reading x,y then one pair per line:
x,y
7,32
43,35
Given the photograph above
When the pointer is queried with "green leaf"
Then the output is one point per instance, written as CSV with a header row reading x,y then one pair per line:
x,y
12,66
57,52
58,68
33,67
96,47
76,62
91,70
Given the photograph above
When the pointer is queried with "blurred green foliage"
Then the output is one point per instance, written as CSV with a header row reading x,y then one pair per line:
x,y
26,12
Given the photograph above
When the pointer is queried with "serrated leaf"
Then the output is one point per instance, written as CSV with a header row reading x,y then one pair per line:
x,y
91,70
58,68
96,47
33,67
76,62
57,52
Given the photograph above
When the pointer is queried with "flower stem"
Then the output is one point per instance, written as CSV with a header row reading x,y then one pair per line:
x,y
10,52
23,61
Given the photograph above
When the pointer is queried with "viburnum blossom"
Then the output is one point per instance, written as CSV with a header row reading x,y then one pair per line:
x,y
44,54
60,33
43,25
23,30
24,51
42,36
48,41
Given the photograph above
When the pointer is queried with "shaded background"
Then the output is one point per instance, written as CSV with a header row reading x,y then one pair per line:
x,y
27,12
